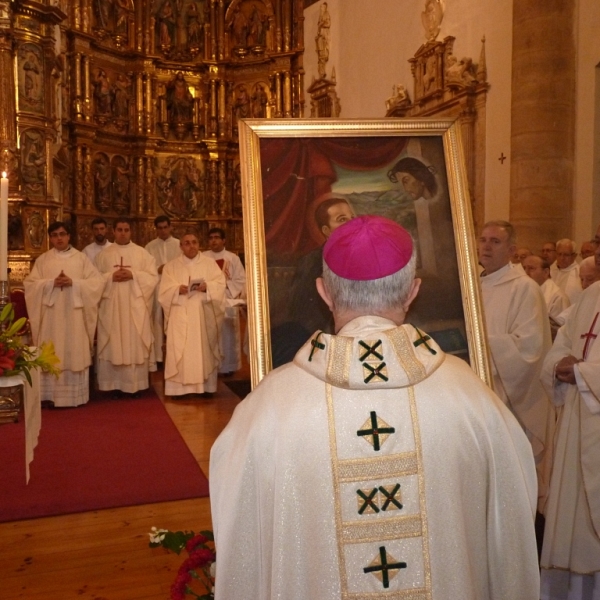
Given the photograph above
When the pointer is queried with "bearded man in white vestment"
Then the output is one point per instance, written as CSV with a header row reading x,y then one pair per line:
x,y
124,322
373,465
518,332
163,248
192,294
62,293
99,229
571,552
235,294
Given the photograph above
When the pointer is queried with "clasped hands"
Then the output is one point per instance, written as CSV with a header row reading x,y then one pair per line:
x,y
63,281
122,274
184,289
563,370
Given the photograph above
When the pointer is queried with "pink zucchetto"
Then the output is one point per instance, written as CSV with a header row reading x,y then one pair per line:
x,y
368,247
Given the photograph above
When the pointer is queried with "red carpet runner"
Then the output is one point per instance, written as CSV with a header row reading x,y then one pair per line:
x,y
108,453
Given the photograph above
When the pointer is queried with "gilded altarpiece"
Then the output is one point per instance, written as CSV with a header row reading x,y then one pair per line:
x,y
131,107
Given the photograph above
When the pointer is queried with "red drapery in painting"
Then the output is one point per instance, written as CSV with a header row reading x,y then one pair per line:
x,y
296,172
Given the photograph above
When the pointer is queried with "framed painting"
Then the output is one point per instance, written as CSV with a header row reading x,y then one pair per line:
x,y
303,178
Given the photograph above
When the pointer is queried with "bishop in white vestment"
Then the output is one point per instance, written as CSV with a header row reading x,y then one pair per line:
x,y
192,294
163,248
571,552
374,466
124,324
235,294
62,293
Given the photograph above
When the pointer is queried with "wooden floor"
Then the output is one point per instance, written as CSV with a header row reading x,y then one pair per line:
x,y
104,555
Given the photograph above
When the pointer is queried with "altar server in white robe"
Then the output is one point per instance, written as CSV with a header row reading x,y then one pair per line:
x,y
192,294
518,333
62,293
163,248
124,322
571,552
373,465
235,295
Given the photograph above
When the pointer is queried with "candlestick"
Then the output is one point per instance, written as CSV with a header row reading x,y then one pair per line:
x,y
4,228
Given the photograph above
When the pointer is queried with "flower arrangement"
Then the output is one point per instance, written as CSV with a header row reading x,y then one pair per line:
x,y
199,566
15,356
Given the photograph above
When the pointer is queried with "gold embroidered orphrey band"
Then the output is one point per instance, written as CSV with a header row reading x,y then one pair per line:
x,y
374,530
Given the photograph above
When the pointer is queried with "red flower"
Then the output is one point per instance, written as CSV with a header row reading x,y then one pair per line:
x,y
6,362
195,541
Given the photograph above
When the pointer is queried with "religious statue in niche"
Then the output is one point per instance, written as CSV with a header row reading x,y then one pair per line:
x,y
179,29
178,186
31,77
33,162
241,103
249,24
36,229
114,16
432,17
260,99
322,40
180,101
102,181
121,183
103,9
103,93
15,231
121,92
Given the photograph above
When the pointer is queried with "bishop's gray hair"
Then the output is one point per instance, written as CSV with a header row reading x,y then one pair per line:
x,y
372,296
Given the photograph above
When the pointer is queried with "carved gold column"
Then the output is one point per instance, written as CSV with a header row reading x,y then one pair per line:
x,y
223,212
213,30
543,120
76,15
139,101
287,94
213,108
149,188
221,29
139,184
87,87
149,112
278,96
88,198
79,178
8,126
222,107
287,25
86,15
79,108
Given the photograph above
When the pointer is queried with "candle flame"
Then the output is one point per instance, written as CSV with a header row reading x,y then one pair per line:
x,y
4,174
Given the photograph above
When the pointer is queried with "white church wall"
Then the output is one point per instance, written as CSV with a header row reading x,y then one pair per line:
x,y
371,43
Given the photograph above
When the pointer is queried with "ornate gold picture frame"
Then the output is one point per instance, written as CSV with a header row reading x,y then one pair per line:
x,y
412,171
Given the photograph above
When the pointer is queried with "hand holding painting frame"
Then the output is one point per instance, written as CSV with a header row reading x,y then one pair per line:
x,y
289,167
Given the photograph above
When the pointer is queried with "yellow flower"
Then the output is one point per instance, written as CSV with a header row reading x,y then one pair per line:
x,y
47,359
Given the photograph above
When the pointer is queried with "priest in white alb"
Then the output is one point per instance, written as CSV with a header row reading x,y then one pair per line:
x,y
124,323
235,295
192,294
518,331
163,248
374,465
566,274
62,293
571,552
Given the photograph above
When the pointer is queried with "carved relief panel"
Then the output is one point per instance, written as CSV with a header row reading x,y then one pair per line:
x,y
30,69
33,163
180,187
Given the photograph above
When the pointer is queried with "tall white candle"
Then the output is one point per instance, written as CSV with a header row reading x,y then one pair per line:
x,y
4,228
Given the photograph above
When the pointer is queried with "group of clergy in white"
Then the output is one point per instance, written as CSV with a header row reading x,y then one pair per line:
x,y
73,301
376,466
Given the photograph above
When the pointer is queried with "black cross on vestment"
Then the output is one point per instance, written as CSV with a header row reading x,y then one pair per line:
x,y
385,567
390,497
377,371
316,345
370,350
368,501
375,431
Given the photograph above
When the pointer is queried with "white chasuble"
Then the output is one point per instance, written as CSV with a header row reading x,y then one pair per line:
x,y
51,308
518,331
163,251
572,535
373,467
124,322
192,323
235,294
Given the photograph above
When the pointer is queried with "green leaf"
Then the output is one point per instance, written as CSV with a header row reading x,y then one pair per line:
x,y
5,312
208,534
27,376
16,326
